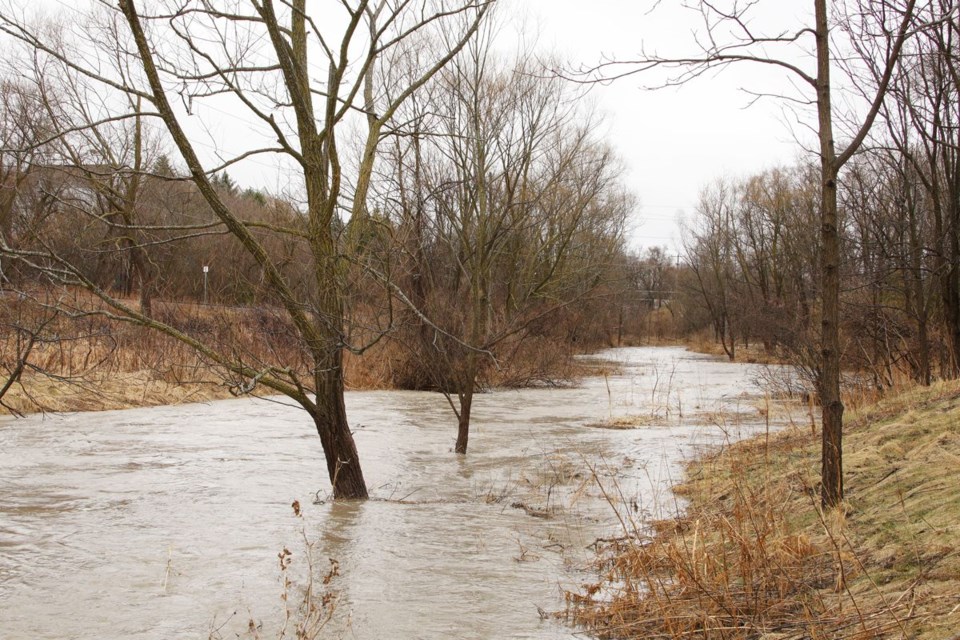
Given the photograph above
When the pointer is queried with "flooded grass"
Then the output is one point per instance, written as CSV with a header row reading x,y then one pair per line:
x,y
751,410
753,556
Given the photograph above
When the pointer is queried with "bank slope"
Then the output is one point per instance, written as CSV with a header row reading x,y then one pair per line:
x,y
755,557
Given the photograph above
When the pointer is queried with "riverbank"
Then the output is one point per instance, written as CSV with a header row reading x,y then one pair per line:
x,y
67,364
754,556
106,391
112,387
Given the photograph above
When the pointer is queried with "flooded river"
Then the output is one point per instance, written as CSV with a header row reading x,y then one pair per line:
x,y
167,522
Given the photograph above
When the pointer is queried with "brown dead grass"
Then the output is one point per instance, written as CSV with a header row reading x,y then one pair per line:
x,y
753,354
87,362
90,363
102,392
755,557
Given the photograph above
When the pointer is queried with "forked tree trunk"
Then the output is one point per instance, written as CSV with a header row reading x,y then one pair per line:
x,y
318,317
339,448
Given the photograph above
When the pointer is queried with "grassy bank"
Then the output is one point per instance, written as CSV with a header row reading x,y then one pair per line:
x,y
753,556
62,361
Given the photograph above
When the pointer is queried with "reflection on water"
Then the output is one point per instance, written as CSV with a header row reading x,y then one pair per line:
x,y
166,522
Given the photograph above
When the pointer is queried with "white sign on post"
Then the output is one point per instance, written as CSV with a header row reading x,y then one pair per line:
x,y
206,269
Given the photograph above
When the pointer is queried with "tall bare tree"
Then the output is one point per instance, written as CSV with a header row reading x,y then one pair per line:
x,y
297,75
728,36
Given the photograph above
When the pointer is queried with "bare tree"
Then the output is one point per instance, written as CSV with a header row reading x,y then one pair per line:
x,y
921,144
728,37
22,128
298,76
508,210
710,252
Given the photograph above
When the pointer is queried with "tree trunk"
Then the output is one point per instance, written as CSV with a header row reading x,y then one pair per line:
x,y
726,338
339,448
140,264
463,422
942,270
952,288
916,288
620,327
832,406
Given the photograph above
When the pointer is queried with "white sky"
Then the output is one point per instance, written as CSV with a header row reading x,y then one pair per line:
x,y
674,140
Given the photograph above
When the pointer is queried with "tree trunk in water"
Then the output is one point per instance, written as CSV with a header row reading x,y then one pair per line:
x,y
832,407
339,448
323,338
463,422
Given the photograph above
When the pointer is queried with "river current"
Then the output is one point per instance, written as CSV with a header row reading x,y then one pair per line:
x,y
167,522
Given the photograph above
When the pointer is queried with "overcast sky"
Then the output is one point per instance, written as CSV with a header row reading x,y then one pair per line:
x,y
674,140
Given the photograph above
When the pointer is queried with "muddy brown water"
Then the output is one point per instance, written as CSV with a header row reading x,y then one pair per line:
x,y
166,522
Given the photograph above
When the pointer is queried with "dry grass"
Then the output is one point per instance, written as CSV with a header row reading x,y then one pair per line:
x,y
755,353
90,363
754,556
87,362
101,391
309,594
